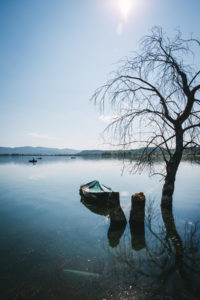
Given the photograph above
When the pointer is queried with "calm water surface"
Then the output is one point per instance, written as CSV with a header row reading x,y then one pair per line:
x,y
52,246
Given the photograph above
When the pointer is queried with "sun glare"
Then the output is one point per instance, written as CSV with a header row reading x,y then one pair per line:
x,y
125,7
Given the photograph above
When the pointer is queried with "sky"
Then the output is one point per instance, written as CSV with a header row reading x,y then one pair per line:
x,y
54,54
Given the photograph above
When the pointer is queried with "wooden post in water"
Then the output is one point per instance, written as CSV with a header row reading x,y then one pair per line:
x,y
136,221
113,200
137,208
117,220
115,211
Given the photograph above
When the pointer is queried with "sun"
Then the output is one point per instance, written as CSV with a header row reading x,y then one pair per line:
x,y
125,7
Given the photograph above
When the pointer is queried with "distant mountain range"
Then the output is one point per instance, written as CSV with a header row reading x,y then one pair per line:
x,y
36,151
91,152
55,151
112,152
100,153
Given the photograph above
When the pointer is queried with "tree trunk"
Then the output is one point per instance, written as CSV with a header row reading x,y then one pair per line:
x,y
178,252
173,235
171,170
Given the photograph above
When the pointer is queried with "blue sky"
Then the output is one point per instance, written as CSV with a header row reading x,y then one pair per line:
x,y
55,53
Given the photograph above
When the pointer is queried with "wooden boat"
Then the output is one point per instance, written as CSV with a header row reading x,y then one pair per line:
x,y
95,190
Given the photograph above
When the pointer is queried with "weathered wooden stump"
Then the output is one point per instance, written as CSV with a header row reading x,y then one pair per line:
x,y
117,217
136,221
137,208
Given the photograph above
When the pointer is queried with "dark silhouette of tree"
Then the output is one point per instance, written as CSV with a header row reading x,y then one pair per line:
x,y
154,96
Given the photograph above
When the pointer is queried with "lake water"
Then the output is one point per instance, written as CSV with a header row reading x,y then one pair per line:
x,y
52,246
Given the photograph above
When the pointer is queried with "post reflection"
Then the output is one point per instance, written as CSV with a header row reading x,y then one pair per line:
x,y
169,261
116,215
159,258
115,233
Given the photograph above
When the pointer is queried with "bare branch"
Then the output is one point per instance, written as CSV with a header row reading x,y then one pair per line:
x,y
195,76
155,97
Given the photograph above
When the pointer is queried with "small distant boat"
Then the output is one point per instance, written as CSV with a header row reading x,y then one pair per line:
x,y
73,157
33,160
39,157
94,189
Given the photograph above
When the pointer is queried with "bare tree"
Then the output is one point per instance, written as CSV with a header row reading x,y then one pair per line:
x,y
154,96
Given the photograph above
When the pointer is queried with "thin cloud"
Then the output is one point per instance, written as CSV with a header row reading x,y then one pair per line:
x,y
38,135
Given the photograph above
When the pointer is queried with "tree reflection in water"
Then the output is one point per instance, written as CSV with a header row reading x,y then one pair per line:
x,y
168,267
155,261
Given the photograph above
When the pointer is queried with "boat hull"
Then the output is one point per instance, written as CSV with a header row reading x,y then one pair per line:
x,y
97,198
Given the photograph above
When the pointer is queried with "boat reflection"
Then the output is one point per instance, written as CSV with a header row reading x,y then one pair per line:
x,y
112,208
158,252
116,216
96,209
